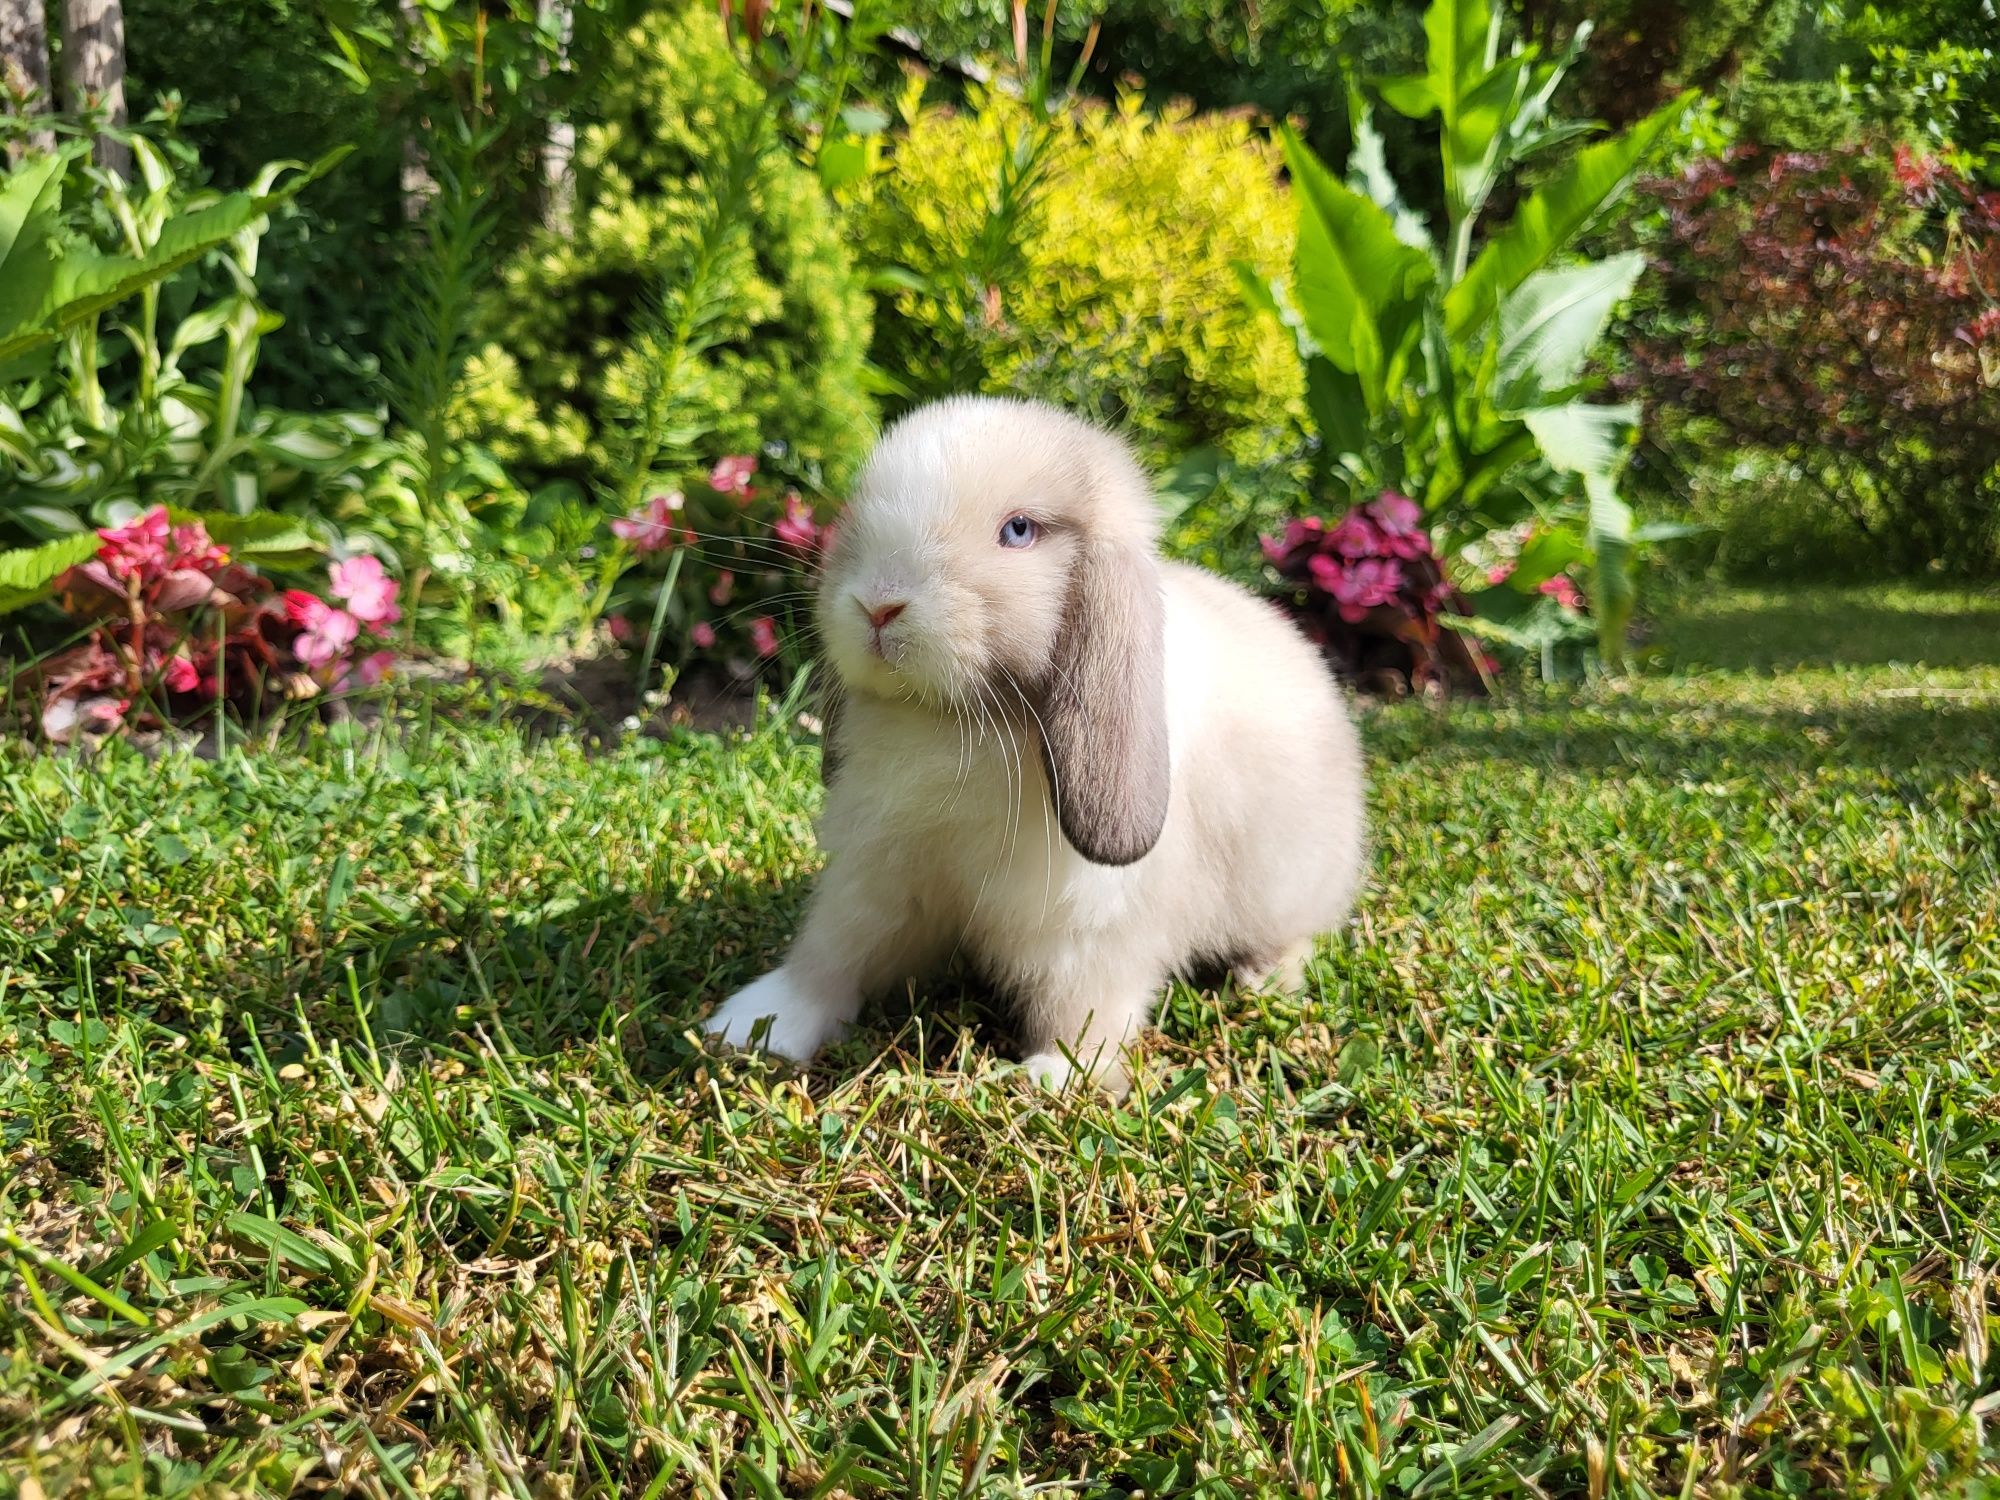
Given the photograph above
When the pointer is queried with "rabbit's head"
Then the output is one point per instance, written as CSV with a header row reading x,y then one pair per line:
x,y
997,558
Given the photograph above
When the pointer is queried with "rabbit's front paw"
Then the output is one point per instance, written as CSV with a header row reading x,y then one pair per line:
x,y
800,1023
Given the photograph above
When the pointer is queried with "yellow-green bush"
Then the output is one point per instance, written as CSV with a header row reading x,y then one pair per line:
x,y
1123,302
566,326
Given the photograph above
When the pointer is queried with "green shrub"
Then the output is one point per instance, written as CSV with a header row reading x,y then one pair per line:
x,y
568,349
1123,302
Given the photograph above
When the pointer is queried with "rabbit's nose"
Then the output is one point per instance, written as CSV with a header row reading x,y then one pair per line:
x,y
881,614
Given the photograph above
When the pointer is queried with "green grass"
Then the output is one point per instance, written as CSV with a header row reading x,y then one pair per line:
x,y
1638,1139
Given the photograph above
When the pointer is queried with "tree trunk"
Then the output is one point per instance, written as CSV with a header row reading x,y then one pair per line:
x,y
417,182
93,56
24,69
559,146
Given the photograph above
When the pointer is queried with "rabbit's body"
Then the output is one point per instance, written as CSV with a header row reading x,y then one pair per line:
x,y
945,823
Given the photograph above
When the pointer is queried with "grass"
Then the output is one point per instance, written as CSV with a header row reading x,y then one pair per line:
x,y
1637,1140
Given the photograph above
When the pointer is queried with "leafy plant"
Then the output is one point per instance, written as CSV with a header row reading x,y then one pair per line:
x,y
1458,378
90,434
1370,591
178,626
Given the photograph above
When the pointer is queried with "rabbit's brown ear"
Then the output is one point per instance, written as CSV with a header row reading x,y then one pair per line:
x,y
1104,707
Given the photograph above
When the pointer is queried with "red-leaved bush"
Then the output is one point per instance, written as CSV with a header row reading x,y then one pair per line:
x,y
1370,592
176,626
1840,310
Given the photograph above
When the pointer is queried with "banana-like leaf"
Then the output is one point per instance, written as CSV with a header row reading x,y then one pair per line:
x,y
1462,44
85,283
1613,589
1583,437
1560,210
1355,281
1551,322
27,572
1339,410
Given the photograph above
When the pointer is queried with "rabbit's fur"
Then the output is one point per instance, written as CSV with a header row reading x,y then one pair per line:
x,y
1080,766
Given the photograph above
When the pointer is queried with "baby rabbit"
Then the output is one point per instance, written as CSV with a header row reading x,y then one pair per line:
x,y
1081,766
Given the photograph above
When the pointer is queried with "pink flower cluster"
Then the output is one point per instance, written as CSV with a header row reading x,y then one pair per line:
x,y
177,619
1360,563
652,527
327,632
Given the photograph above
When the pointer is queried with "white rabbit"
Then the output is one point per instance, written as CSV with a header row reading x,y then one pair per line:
x,y
1081,767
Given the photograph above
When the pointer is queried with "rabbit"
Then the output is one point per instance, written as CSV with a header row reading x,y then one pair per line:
x,y
1082,767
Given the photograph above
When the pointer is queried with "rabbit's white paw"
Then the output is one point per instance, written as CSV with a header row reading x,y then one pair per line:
x,y
801,1023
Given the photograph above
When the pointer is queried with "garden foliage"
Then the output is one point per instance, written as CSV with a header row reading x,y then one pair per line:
x,y
1838,312
1115,294
1461,378
680,185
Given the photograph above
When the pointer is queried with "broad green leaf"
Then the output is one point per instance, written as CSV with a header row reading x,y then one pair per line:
x,y
87,282
1550,324
1355,280
257,537
1582,437
29,199
1553,217
1462,41
1409,95
26,573
1612,589
1338,408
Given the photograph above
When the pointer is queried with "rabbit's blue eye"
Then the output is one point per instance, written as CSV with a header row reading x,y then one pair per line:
x,y
1019,531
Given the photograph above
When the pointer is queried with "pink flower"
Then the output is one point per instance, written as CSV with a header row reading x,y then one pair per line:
x,y
375,666
1563,590
1298,534
1355,536
194,548
1400,522
703,635
1358,586
622,629
368,592
796,529
325,633
731,476
651,527
764,635
1499,573
182,676
137,550
724,586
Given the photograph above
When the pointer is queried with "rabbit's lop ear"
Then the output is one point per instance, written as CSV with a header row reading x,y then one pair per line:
x,y
1104,715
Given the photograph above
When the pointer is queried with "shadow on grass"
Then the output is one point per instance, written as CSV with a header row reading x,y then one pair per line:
x,y
1835,628
1908,742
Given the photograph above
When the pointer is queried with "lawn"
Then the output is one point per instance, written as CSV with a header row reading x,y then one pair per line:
x,y
1638,1138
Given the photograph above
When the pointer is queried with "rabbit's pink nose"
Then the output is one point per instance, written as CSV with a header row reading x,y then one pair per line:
x,y
882,614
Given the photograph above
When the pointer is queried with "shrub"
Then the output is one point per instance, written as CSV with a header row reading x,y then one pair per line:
x,y
569,334
1836,311
1120,300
